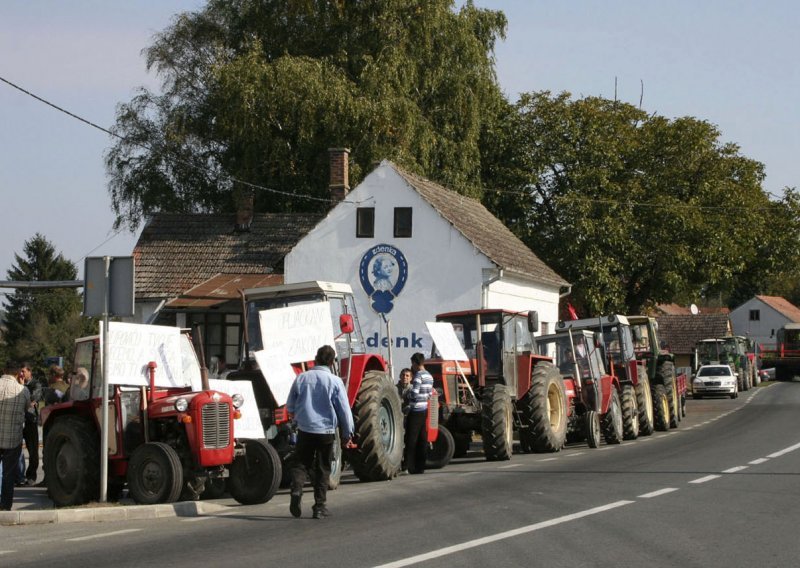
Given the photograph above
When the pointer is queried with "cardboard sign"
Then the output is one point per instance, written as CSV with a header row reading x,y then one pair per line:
x,y
132,346
297,332
447,344
278,372
249,425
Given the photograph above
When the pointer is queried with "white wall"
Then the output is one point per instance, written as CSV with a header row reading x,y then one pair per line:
x,y
516,293
762,331
445,271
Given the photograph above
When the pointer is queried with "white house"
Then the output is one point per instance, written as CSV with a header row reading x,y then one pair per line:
x,y
410,249
761,317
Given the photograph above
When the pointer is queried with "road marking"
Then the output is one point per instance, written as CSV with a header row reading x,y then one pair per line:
x,y
197,519
509,466
606,448
575,454
758,461
657,493
548,459
7,551
704,479
501,536
102,535
784,451
735,469
470,473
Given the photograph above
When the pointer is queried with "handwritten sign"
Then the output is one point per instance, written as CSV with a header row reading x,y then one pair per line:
x,y
278,372
297,331
132,346
249,425
447,344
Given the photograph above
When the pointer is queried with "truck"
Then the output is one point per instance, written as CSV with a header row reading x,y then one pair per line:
x,y
733,350
164,443
668,388
616,340
784,356
372,394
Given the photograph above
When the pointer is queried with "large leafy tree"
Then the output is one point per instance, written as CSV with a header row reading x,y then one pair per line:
x,y
257,90
632,208
43,322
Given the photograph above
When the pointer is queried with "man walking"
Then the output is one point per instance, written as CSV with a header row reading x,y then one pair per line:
x,y
318,403
417,397
14,402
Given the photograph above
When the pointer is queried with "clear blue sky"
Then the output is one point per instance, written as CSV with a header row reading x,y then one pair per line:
x,y
731,62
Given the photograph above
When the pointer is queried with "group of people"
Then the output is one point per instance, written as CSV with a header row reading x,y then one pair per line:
x,y
318,405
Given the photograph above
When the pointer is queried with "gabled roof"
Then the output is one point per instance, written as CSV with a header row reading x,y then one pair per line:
x,y
782,306
176,252
678,310
485,231
681,332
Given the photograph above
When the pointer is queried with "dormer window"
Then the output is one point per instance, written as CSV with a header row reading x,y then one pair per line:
x,y
402,222
365,222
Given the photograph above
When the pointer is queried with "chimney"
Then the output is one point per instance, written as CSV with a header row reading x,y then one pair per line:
x,y
244,210
339,184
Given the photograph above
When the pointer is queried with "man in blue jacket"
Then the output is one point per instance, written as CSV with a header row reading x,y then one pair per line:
x,y
318,403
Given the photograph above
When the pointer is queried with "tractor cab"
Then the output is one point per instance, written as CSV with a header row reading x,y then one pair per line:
x,y
616,342
579,359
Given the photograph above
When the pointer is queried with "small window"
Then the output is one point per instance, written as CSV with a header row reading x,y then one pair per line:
x,y
402,222
755,315
365,222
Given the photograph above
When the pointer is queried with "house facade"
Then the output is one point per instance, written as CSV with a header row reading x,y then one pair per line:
x,y
681,332
760,318
411,249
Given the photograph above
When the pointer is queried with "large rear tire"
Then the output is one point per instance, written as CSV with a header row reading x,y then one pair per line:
x,y
441,451
612,420
660,408
255,476
72,462
630,413
497,427
644,399
544,411
379,427
155,474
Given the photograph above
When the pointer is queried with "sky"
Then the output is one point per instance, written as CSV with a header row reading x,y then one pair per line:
x,y
731,62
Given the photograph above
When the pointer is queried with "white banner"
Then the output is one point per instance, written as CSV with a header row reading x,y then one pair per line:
x,y
249,425
447,343
278,372
132,346
297,332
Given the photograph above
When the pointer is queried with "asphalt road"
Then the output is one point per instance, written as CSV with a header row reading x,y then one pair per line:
x,y
721,490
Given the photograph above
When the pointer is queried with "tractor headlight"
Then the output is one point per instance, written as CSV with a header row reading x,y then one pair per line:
x,y
238,400
181,405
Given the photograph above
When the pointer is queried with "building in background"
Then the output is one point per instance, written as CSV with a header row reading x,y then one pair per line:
x,y
760,318
682,332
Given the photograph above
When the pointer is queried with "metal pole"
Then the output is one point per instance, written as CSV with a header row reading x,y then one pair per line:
x,y
104,365
389,337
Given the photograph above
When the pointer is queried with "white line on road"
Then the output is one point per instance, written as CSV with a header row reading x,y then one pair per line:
x,y
784,451
197,519
7,551
704,479
501,536
606,448
735,469
509,466
758,461
102,535
548,459
657,493
575,454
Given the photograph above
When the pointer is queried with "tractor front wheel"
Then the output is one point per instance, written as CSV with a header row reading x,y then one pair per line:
x,y
660,408
497,427
644,399
155,474
612,420
441,451
255,476
72,462
630,413
592,428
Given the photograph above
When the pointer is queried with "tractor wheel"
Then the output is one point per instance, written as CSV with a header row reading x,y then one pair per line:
x,y
155,474
497,427
754,373
215,488
379,427
630,413
462,440
660,408
644,400
72,462
592,428
666,376
337,464
544,411
255,476
675,408
745,380
612,420
441,451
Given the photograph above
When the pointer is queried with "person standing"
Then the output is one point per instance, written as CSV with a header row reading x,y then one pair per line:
x,y
318,404
14,402
417,397
30,432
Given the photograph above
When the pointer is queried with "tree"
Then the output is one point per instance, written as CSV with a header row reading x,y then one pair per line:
x,y
43,322
634,209
258,90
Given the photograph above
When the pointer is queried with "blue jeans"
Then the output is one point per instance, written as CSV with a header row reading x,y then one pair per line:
x,y
10,461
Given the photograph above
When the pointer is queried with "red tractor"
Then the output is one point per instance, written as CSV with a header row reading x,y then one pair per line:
x,y
167,443
371,391
594,403
503,387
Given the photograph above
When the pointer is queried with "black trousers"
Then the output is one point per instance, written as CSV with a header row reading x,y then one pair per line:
x,y
416,451
10,460
312,455
30,434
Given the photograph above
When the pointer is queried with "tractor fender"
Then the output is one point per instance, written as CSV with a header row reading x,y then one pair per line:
x,y
356,367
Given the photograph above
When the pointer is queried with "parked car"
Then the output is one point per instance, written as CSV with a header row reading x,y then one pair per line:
x,y
715,380
767,374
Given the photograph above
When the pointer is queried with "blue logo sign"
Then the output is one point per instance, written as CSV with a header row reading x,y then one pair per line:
x,y
383,273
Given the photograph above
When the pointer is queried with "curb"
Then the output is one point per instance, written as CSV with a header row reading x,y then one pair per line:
x,y
101,514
